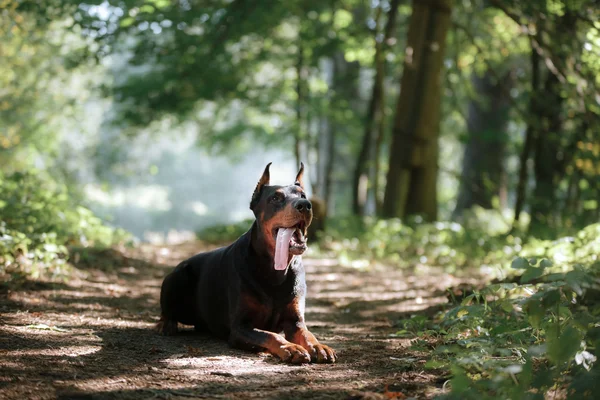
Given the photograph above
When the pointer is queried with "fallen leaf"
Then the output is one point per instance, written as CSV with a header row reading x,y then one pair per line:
x,y
194,351
393,395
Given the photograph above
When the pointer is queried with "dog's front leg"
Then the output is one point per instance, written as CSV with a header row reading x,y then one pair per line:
x,y
296,332
253,339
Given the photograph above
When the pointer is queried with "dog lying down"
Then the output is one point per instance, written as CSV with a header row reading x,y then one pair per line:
x,y
254,289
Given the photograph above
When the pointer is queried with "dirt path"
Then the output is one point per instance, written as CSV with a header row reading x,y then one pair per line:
x,y
92,338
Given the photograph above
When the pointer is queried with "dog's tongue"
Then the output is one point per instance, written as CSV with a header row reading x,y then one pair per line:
x,y
282,247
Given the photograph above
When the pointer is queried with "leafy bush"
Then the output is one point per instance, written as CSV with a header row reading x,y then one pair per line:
x,y
533,332
445,244
39,218
224,234
520,340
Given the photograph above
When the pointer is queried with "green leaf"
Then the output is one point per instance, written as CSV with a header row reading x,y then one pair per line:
x,y
545,263
506,305
435,364
531,274
526,374
563,347
125,22
576,280
467,300
535,312
519,263
462,313
585,385
342,19
147,8
460,381
550,298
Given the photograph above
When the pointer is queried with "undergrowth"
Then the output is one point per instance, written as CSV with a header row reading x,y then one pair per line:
x,y
530,333
224,234
39,221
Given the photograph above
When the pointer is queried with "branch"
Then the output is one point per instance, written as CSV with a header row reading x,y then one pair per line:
x,y
496,76
545,53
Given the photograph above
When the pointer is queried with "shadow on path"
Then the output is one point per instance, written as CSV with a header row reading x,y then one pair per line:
x,y
92,338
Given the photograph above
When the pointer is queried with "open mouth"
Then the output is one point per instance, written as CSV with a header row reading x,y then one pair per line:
x,y
289,241
298,240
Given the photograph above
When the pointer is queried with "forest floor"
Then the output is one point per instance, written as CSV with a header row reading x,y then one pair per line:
x,y
92,337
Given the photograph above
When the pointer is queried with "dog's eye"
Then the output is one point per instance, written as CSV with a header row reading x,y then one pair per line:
x,y
302,196
277,198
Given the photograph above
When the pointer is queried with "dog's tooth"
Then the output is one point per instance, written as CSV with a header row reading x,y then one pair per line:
x,y
300,234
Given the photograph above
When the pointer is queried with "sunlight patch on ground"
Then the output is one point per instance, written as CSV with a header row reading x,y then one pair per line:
x,y
232,365
123,382
411,305
68,351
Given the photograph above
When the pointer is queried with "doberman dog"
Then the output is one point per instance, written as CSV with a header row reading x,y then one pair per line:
x,y
253,289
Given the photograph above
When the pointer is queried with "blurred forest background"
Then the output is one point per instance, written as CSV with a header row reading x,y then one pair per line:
x,y
457,133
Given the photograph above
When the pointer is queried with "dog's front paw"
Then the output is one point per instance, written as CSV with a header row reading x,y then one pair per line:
x,y
166,327
322,354
293,354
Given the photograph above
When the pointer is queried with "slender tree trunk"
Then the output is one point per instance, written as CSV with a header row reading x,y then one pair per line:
x,y
530,134
359,190
483,161
571,200
412,176
299,100
360,172
328,189
389,40
547,146
548,167
336,77
377,151
374,111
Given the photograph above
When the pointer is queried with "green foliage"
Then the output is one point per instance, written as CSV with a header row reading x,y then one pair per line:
x,y
519,341
534,331
224,234
39,218
445,244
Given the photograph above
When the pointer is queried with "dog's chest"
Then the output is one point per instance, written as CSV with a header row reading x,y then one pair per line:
x,y
267,313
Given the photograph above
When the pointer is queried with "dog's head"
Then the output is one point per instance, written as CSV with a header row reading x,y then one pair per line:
x,y
282,213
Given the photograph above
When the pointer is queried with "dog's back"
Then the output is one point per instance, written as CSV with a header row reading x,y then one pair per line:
x,y
196,292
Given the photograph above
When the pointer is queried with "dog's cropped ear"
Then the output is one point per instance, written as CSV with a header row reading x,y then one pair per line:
x,y
264,180
299,178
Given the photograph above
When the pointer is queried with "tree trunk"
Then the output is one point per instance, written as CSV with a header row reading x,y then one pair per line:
x,y
389,39
548,165
328,187
483,161
412,177
377,151
336,72
547,147
299,100
374,112
530,133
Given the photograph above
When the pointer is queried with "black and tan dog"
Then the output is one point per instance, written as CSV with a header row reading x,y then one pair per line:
x,y
253,289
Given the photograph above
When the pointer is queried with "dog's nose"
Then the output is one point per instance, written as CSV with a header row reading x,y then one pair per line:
x,y
303,204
